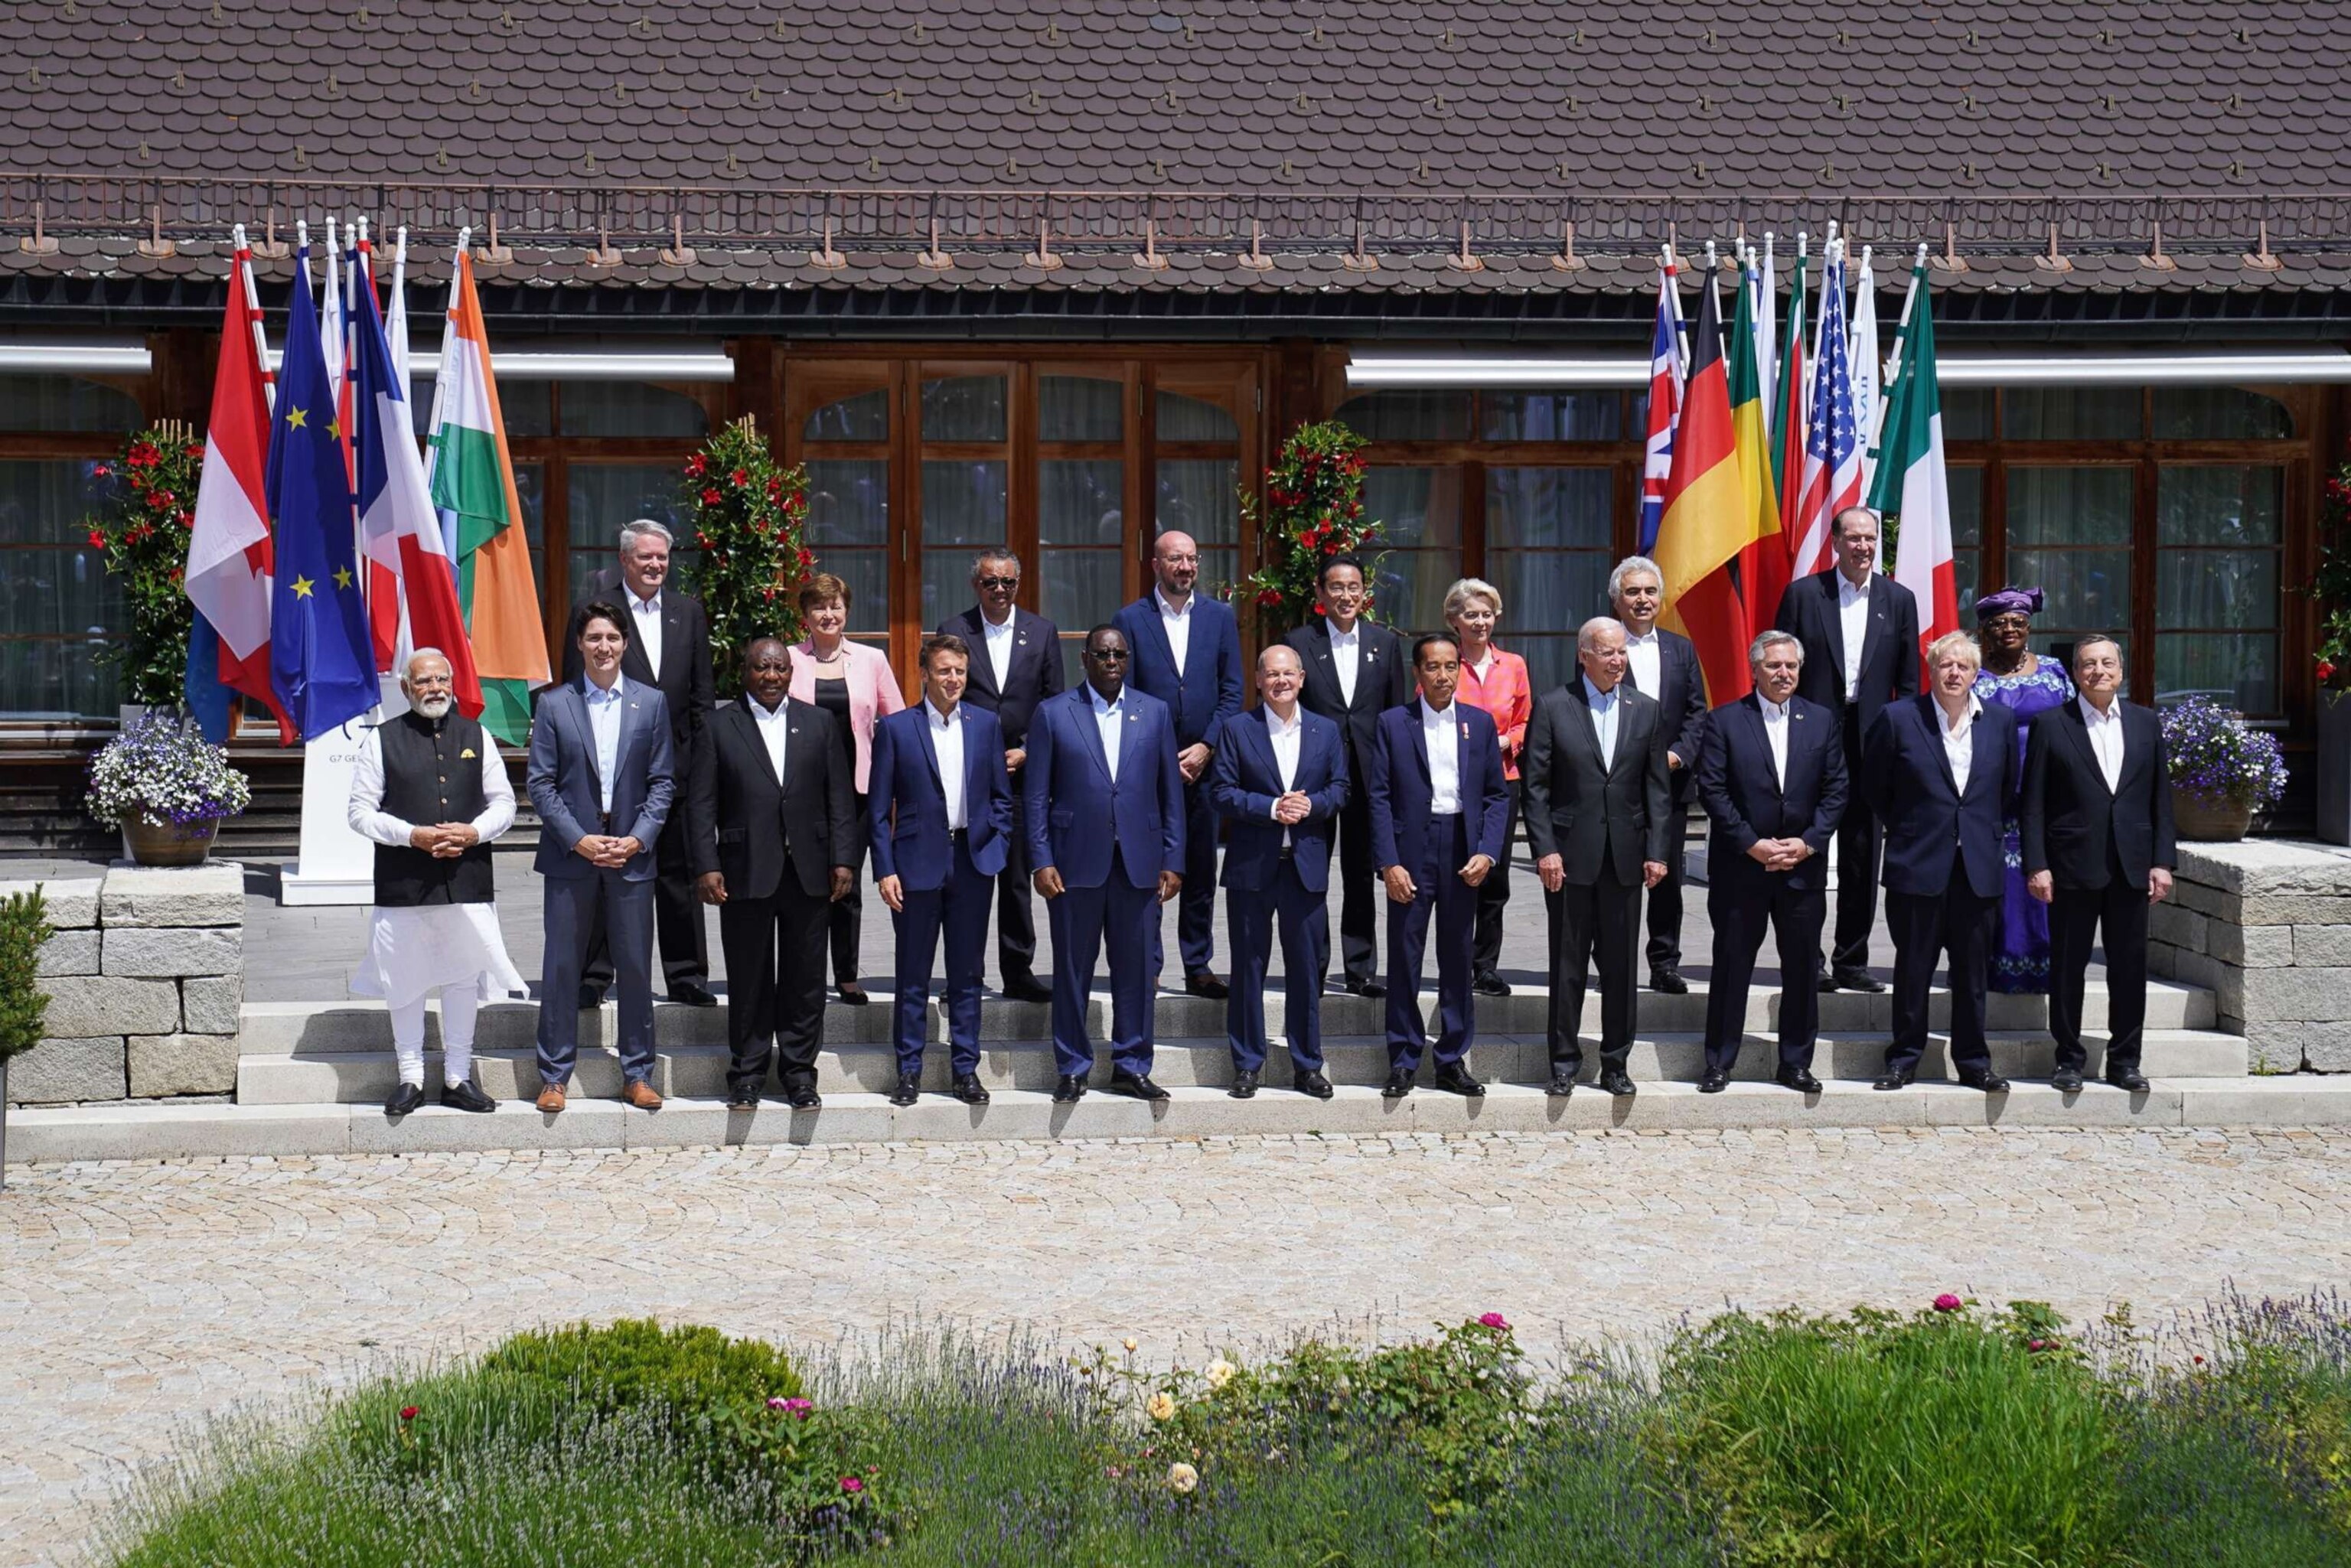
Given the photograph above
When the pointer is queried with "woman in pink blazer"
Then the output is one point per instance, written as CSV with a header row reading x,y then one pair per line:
x,y
1496,682
852,682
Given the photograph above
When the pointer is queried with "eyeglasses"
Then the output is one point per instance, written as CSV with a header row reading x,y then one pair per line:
x,y
997,582
1108,655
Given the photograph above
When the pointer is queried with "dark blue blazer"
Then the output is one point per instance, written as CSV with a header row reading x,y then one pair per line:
x,y
1243,782
1746,803
1211,689
568,794
1400,789
1907,781
1074,812
1031,675
909,801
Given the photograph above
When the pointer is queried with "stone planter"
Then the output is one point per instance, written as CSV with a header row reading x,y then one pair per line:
x,y
2334,767
144,844
2222,822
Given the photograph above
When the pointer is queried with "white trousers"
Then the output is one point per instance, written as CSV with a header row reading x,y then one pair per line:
x,y
459,1003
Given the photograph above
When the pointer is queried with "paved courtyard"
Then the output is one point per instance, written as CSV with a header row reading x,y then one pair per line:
x,y
139,1297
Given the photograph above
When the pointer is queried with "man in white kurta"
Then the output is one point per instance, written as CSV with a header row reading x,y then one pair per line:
x,y
431,792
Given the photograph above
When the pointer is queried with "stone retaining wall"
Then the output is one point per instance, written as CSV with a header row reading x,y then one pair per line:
x,y
145,975
2266,925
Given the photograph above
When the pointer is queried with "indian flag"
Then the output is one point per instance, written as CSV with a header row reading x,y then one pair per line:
x,y
1912,484
472,481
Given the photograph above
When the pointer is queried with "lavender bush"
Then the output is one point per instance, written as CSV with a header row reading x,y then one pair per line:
x,y
2216,756
163,769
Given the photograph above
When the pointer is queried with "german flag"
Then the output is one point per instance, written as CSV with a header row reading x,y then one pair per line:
x,y
1708,518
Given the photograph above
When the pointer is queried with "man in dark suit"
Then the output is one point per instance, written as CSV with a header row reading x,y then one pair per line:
x,y
1772,782
1939,771
942,807
1016,664
1860,633
1107,826
1355,671
1280,780
1598,800
603,777
1440,807
669,649
1187,654
1663,665
774,836
2098,848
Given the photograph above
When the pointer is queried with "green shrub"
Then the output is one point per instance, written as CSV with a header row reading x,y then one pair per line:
x,y
636,1363
24,928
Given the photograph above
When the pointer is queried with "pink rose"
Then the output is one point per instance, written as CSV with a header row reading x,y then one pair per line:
x,y
1947,1302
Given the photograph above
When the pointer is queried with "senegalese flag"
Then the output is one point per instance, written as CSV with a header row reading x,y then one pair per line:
x,y
473,484
1706,520
1763,560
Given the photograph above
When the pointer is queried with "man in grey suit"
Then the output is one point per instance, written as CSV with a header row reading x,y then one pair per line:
x,y
1597,806
603,771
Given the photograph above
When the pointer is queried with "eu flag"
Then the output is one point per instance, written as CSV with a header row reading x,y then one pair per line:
x,y
322,663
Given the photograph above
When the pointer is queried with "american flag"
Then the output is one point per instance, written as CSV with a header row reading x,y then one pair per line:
x,y
1832,478
1665,405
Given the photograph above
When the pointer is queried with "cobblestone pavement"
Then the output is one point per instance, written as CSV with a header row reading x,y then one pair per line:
x,y
138,1296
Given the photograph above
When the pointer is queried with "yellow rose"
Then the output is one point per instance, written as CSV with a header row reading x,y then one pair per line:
x,y
1220,1372
1129,1343
1161,1406
1182,1478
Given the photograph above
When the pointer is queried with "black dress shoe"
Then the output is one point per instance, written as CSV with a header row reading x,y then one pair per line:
x,y
1312,1082
1890,1080
590,998
1825,982
1027,988
1137,1084
804,1098
969,1090
467,1096
1364,985
1487,983
1668,982
1799,1079
1398,1085
1713,1082
853,993
1990,1083
909,1089
1858,980
405,1100
1203,984
692,993
1455,1080
740,1100
2129,1079
1244,1086
1617,1083
1068,1090
2066,1081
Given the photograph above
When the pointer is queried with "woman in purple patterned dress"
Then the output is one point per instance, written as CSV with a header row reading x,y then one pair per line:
x,y
2028,683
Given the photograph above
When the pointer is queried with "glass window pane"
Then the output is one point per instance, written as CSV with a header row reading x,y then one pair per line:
x,y
1417,507
630,408
863,417
530,489
2213,589
849,502
1559,508
1550,415
1201,496
2088,589
1967,534
43,678
59,590
1080,502
867,574
605,496
65,403
2069,505
2241,673
1551,661
1079,589
47,500
963,503
1548,590
2219,505
1408,415
2070,414
1184,418
963,408
1081,408
2219,414
1967,414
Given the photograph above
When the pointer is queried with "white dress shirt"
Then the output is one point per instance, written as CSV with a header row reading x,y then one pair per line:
x,y
1287,740
604,724
2106,738
1177,624
1960,739
1603,707
999,646
1346,657
645,626
1852,614
370,820
1440,731
946,739
1775,734
1109,718
773,725
1645,663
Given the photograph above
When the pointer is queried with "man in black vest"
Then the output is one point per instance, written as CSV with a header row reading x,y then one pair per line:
x,y
431,792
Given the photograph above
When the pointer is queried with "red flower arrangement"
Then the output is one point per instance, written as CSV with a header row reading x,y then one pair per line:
x,y
2330,585
140,533
753,562
1314,510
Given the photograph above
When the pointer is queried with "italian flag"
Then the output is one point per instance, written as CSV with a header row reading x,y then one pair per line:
x,y
472,480
1911,484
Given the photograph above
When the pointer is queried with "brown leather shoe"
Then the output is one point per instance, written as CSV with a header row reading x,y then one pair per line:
x,y
550,1099
641,1094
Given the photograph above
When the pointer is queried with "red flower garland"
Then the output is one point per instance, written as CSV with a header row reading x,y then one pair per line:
x,y
1314,510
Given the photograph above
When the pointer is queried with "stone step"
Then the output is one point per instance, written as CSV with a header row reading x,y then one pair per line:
x,y
309,1029
169,1131
368,1077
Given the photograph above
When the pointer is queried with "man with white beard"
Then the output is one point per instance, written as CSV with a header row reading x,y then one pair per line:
x,y
431,791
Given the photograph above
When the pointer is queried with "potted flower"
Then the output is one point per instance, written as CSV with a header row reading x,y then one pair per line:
x,y
2221,770
167,788
748,515
1314,510
142,534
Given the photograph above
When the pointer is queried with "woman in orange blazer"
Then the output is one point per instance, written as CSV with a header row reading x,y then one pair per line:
x,y
1496,682
853,682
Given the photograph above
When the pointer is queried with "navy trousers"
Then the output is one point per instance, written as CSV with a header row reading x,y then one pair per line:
x,y
1924,925
1439,892
1739,919
960,908
1304,919
1083,921
576,909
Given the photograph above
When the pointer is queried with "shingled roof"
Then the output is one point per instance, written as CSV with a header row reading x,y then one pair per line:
x,y
1186,144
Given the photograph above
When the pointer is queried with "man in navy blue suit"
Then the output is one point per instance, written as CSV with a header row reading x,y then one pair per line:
x,y
1281,779
1440,807
1104,798
1772,778
1939,772
1187,653
942,805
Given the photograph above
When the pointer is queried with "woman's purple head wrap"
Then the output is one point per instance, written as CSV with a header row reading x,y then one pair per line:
x,y
2025,601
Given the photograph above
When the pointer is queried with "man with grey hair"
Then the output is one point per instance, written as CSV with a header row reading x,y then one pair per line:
x,y
1663,664
431,792
668,649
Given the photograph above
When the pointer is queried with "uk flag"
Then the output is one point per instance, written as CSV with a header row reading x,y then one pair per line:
x,y
1832,477
1665,406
